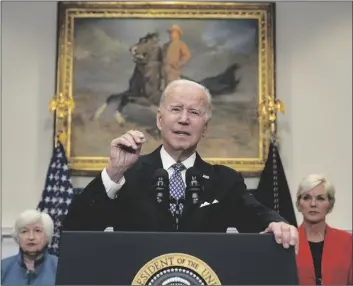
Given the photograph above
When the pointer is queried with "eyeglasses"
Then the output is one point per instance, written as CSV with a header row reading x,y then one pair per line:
x,y
192,112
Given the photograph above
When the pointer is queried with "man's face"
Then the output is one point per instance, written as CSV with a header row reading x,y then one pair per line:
x,y
182,118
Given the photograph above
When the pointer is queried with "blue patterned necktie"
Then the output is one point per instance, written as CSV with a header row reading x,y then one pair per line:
x,y
177,187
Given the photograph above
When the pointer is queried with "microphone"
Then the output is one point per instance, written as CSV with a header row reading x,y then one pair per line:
x,y
161,185
193,185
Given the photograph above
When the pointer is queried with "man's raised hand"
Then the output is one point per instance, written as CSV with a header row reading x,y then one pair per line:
x,y
124,152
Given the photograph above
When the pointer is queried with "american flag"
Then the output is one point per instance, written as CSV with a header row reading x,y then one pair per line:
x,y
57,194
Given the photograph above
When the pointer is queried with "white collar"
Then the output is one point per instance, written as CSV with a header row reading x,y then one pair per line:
x,y
168,160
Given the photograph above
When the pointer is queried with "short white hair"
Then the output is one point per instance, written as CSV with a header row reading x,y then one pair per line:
x,y
180,82
311,181
31,216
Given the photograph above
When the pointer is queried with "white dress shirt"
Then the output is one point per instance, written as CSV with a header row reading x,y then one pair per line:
x,y
113,188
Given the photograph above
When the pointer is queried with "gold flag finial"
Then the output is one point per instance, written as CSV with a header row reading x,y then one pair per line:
x,y
61,106
268,109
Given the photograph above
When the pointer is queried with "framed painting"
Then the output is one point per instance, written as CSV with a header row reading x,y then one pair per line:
x,y
115,58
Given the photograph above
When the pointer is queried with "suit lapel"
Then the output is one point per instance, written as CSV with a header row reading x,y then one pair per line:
x,y
329,256
206,171
304,258
153,159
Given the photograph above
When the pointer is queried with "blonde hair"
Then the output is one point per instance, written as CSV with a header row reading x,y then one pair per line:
x,y
33,216
180,82
313,180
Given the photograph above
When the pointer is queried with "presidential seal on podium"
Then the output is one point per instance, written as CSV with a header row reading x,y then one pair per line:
x,y
176,269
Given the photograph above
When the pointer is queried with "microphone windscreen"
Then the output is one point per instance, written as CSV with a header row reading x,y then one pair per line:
x,y
192,172
161,173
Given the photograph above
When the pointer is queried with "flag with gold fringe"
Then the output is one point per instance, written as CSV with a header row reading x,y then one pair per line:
x,y
273,190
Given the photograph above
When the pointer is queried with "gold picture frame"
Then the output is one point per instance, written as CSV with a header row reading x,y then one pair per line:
x,y
91,57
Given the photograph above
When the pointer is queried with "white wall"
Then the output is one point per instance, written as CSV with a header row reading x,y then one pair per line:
x,y
28,76
314,79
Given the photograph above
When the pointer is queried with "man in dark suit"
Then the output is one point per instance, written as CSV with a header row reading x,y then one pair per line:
x,y
122,195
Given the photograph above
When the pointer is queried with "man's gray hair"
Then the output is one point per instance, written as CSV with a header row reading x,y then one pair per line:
x,y
33,216
181,82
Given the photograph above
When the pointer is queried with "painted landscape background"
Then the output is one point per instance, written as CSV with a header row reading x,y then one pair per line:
x,y
103,66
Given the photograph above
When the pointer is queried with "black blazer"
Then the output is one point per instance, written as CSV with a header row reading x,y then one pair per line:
x,y
136,209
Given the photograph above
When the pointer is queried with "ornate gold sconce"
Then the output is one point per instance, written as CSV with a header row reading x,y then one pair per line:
x,y
268,109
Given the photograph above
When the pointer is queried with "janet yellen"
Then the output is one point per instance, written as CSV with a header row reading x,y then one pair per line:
x,y
33,265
